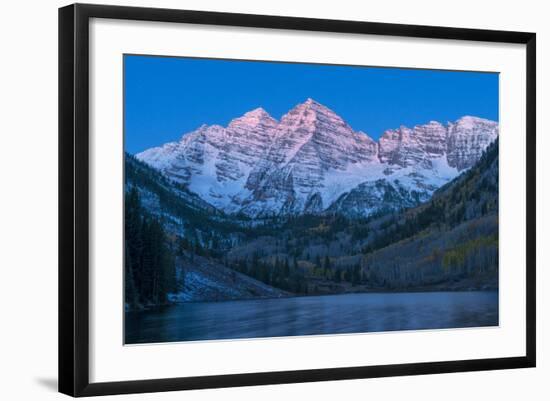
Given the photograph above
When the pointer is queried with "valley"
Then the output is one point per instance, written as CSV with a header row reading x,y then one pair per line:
x,y
411,233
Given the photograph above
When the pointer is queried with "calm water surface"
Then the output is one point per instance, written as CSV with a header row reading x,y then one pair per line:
x,y
329,314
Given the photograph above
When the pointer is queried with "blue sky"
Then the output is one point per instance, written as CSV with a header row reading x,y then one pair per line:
x,y
166,97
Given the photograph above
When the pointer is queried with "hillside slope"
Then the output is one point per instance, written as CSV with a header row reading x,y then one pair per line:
x,y
449,242
198,235
205,279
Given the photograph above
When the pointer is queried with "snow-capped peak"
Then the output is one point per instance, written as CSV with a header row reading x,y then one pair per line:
x,y
258,113
316,107
310,158
469,122
467,138
254,118
308,114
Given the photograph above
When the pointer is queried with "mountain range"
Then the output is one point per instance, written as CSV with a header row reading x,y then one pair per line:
x,y
312,162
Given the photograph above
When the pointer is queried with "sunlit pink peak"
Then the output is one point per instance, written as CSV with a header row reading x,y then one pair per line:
x,y
253,118
313,104
257,112
308,111
310,101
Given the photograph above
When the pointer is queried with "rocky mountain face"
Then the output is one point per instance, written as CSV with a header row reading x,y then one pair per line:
x,y
467,139
312,161
447,243
406,147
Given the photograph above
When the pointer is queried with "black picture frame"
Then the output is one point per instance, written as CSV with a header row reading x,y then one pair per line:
x,y
74,201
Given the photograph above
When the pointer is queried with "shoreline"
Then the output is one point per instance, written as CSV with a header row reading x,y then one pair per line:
x,y
373,291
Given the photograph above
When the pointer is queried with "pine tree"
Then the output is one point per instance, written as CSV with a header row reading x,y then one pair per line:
x,y
149,259
286,269
327,263
326,271
294,265
132,246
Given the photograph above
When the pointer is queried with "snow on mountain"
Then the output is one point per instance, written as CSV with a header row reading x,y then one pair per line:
x,y
313,143
467,138
213,161
312,161
405,147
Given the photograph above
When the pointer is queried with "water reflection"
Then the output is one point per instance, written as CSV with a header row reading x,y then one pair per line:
x,y
351,313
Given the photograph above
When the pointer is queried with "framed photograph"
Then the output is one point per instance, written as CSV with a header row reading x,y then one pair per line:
x,y
250,199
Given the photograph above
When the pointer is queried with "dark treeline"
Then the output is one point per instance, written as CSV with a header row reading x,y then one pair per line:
x,y
149,259
280,273
287,274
